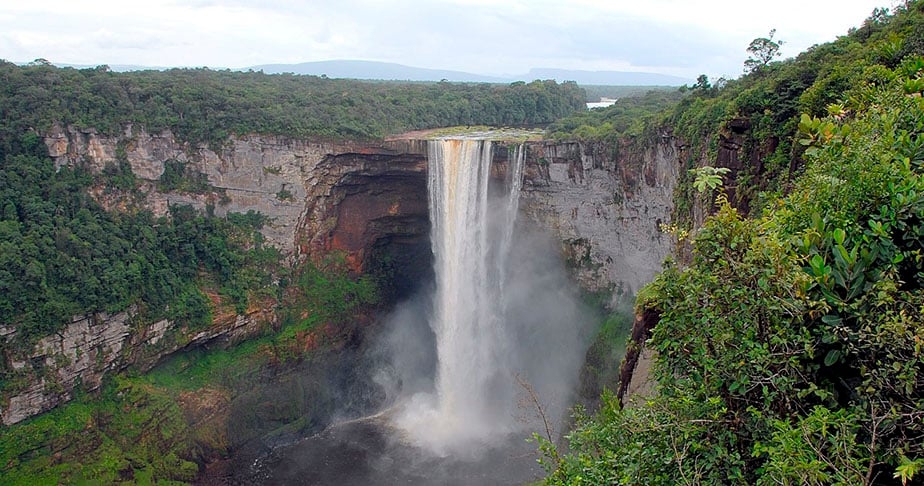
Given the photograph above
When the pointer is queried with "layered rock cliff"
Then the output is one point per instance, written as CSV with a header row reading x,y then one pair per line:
x,y
365,201
607,205
289,181
267,174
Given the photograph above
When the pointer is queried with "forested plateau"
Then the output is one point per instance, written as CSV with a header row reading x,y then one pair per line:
x,y
784,336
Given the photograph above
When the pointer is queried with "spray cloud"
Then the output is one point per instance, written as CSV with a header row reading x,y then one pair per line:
x,y
502,309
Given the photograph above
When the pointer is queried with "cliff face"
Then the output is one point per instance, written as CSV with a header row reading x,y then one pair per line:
x,y
606,204
92,345
372,208
87,348
366,202
271,175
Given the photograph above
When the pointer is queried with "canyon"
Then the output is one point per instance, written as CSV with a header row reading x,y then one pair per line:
x,y
366,201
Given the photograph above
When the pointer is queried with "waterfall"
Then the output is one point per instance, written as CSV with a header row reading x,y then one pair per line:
x,y
470,247
516,159
472,233
502,308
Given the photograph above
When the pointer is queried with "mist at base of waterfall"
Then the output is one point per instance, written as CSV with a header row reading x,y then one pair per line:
x,y
408,441
549,329
370,451
400,363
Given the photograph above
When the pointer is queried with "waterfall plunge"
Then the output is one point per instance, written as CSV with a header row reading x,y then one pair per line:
x,y
471,237
471,244
497,313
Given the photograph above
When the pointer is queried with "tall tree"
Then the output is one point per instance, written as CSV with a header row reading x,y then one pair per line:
x,y
762,51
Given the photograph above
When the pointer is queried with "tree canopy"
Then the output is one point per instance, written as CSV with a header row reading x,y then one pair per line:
x,y
789,346
201,105
762,50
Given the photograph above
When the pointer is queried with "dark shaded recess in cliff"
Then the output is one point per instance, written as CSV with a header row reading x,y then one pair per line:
x,y
745,155
641,332
383,221
731,140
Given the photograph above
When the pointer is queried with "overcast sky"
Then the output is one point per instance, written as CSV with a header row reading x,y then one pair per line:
x,y
493,37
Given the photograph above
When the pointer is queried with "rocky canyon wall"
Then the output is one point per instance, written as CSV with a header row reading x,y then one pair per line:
x,y
367,202
606,204
319,197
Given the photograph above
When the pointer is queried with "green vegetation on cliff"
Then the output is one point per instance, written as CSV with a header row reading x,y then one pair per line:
x,y
130,434
157,427
757,116
790,347
62,255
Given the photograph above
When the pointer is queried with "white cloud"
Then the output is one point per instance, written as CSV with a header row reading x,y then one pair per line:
x,y
683,37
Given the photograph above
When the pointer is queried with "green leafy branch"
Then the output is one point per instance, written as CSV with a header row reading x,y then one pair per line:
x,y
708,178
815,132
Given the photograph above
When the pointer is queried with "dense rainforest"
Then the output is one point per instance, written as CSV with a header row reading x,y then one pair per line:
x,y
789,333
789,339
202,105
63,255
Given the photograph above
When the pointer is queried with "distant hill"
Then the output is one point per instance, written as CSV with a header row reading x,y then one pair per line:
x,y
399,72
388,71
375,70
606,78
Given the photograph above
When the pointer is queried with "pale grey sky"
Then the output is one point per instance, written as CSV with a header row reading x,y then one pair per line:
x,y
494,37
